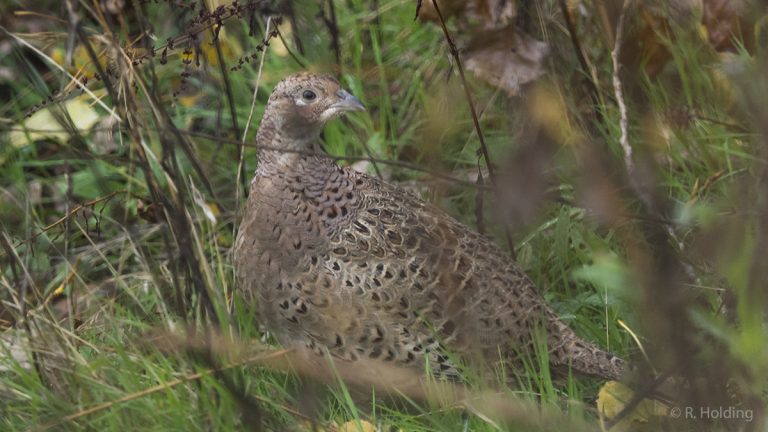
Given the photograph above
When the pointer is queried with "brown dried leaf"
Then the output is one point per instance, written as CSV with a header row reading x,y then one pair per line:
x,y
448,8
506,58
497,53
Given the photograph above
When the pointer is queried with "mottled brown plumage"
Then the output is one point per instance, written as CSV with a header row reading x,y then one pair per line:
x,y
335,259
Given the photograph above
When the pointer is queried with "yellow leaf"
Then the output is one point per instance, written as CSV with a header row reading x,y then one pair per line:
x,y
350,426
214,208
71,275
357,426
43,124
614,396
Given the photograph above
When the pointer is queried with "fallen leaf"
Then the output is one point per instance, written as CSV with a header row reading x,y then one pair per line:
x,y
496,51
448,8
614,396
357,426
44,125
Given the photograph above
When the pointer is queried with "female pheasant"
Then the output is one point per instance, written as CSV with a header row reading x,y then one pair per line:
x,y
340,261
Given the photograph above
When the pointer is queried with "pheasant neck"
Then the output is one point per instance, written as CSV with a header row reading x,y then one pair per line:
x,y
281,146
299,161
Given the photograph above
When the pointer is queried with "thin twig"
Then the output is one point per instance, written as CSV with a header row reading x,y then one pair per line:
x,y
641,394
396,163
617,89
467,93
288,48
479,202
205,24
475,120
594,92
70,214
371,159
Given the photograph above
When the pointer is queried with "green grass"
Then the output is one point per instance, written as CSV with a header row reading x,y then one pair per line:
x,y
122,272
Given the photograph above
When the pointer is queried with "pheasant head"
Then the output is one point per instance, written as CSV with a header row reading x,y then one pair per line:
x,y
299,107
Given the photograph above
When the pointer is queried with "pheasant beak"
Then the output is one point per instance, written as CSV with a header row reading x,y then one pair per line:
x,y
347,102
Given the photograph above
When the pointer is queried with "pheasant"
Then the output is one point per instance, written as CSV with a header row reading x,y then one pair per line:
x,y
337,261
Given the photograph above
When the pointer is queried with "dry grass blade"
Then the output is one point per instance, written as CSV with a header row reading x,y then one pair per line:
x,y
241,152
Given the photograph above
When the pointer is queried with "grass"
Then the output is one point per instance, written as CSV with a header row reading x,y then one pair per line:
x,y
150,250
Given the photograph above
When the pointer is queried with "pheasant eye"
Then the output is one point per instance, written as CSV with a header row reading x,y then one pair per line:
x,y
309,95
